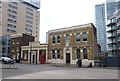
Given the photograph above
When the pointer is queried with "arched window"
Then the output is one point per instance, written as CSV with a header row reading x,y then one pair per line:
x,y
78,53
85,55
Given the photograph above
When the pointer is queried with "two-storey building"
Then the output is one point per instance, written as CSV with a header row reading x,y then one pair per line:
x,y
66,45
17,41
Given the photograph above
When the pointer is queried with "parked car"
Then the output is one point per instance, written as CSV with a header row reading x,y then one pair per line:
x,y
6,60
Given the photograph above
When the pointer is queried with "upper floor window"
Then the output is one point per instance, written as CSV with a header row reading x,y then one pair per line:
x,y
84,36
28,21
10,30
12,6
12,11
28,8
58,39
29,17
11,25
14,3
13,41
53,39
13,21
78,37
85,55
28,25
28,29
12,16
67,38
29,13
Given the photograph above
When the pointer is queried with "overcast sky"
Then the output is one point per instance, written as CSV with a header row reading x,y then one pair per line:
x,y
65,13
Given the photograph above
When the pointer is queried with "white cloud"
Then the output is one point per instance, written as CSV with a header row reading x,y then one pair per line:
x,y
65,13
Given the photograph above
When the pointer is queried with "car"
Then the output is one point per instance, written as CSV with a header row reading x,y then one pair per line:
x,y
6,60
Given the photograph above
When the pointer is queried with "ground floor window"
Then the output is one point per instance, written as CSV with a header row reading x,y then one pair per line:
x,y
55,54
85,55
78,53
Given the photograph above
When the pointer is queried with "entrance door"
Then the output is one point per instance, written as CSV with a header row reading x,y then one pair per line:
x,y
68,58
33,59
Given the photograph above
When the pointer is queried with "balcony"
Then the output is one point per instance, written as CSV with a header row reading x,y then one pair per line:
x,y
111,30
112,36
110,23
111,43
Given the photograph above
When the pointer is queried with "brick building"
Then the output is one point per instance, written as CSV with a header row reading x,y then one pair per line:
x,y
17,41
66,45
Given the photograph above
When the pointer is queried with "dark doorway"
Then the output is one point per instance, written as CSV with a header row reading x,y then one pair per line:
x,y
68,58
33,58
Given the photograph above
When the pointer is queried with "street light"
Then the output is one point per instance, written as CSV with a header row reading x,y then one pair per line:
x,y
31,49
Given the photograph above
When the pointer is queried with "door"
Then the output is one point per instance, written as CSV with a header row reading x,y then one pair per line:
x,y
68,58
33,59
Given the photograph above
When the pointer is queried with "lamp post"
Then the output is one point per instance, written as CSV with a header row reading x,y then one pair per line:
x,y
31,49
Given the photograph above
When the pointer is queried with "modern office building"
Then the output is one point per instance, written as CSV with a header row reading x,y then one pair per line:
x,y
113,36
111,7
100,20
6,45
19,16
67,45
17,41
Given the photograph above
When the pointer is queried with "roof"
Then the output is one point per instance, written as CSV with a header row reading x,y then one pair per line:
x,y
90,25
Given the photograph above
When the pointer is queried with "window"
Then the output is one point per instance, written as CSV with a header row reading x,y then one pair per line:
x,y
13,41
3,42
3,50
58,39
78,37
10,20
12,6
8,42
10,30
17,41
67,38
84,36
14,3
28,21
12,16
17,49
12,11
28,25
25,56
29,17
85,56
78,53
10,25
29,13
28,29
53,54
58,54
28,8
28,34
8,49
53,40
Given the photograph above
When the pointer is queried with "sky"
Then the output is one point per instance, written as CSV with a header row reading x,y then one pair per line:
x,y
56,14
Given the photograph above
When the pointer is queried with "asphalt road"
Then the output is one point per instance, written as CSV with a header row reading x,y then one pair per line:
x,y
33,71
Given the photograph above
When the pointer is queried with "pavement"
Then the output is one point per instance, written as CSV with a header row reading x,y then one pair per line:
x,y
58,71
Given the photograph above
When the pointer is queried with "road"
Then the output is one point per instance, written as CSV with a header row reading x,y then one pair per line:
x,y
33,71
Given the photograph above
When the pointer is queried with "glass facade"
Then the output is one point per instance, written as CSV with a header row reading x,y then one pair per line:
x,y
111,7
35,3
101,26
6,45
